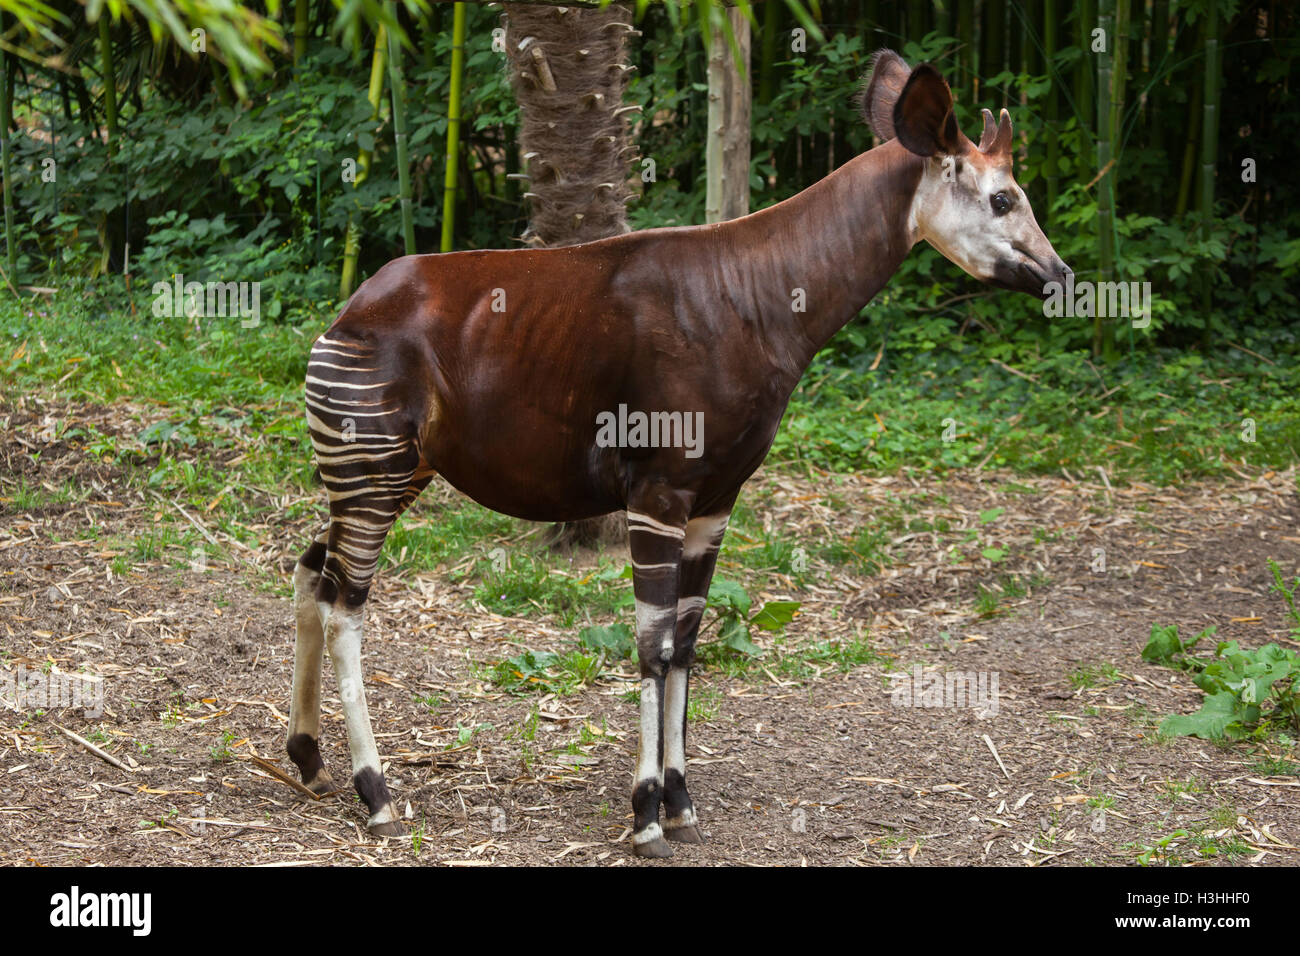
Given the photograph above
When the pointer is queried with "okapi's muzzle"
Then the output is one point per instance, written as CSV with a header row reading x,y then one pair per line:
x,y
1031,273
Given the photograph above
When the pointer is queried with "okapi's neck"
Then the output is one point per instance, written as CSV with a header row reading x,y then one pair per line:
x,y
839,241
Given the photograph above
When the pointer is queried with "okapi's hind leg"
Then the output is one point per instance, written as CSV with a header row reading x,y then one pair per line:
x,y
699,556
365,434
358,526
309,646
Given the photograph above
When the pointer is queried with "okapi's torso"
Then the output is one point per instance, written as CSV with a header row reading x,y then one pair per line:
x,y
519,352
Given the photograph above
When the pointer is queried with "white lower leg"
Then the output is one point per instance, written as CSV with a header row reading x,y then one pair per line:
x,y
308,651
674,771
648,789
343,634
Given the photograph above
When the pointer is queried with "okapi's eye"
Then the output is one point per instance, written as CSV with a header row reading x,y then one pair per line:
x,y
1000,203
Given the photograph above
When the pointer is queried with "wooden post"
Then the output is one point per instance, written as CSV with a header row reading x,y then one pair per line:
x,y
727,152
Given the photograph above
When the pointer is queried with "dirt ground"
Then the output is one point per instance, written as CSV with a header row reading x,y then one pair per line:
x,y
195,665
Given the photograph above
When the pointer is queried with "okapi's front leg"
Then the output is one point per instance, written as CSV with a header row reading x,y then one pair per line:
x,y
699,555
656,545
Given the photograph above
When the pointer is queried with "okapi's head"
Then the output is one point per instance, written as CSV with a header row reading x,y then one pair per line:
x,y
967,204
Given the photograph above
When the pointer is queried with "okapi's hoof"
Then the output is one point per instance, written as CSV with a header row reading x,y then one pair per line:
x,y
656,849
393,828
322,784
686,833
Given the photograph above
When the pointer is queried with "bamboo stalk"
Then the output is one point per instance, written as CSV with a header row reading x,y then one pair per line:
x,y
915,20
943,17
1050,108
219,82
6,120
453,128
1087,19
301,21
1209,143
109,77
110,80
766,68
1101,337
352,237
993,60
966,49
1188,173
1159,46
1115,115
398,84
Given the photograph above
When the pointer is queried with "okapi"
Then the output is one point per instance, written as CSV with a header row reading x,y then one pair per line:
x,y
492,369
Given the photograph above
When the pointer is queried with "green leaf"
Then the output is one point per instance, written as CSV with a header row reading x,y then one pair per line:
x,y
990,516
735,635
615,639
994,554
1165,643
1220,715
728,594
775,615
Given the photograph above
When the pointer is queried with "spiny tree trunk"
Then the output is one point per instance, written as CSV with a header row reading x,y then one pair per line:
x,y
568,67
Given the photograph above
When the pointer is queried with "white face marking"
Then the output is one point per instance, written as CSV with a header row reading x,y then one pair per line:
x,y
953,211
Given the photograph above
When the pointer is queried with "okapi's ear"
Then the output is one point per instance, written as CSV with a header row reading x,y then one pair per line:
x,y
990,130
923,117
888,77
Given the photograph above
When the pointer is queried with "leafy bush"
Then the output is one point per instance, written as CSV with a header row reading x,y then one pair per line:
x,y
1239,685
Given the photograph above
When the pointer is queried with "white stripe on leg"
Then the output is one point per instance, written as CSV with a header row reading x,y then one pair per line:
x,y
647,765
674,720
